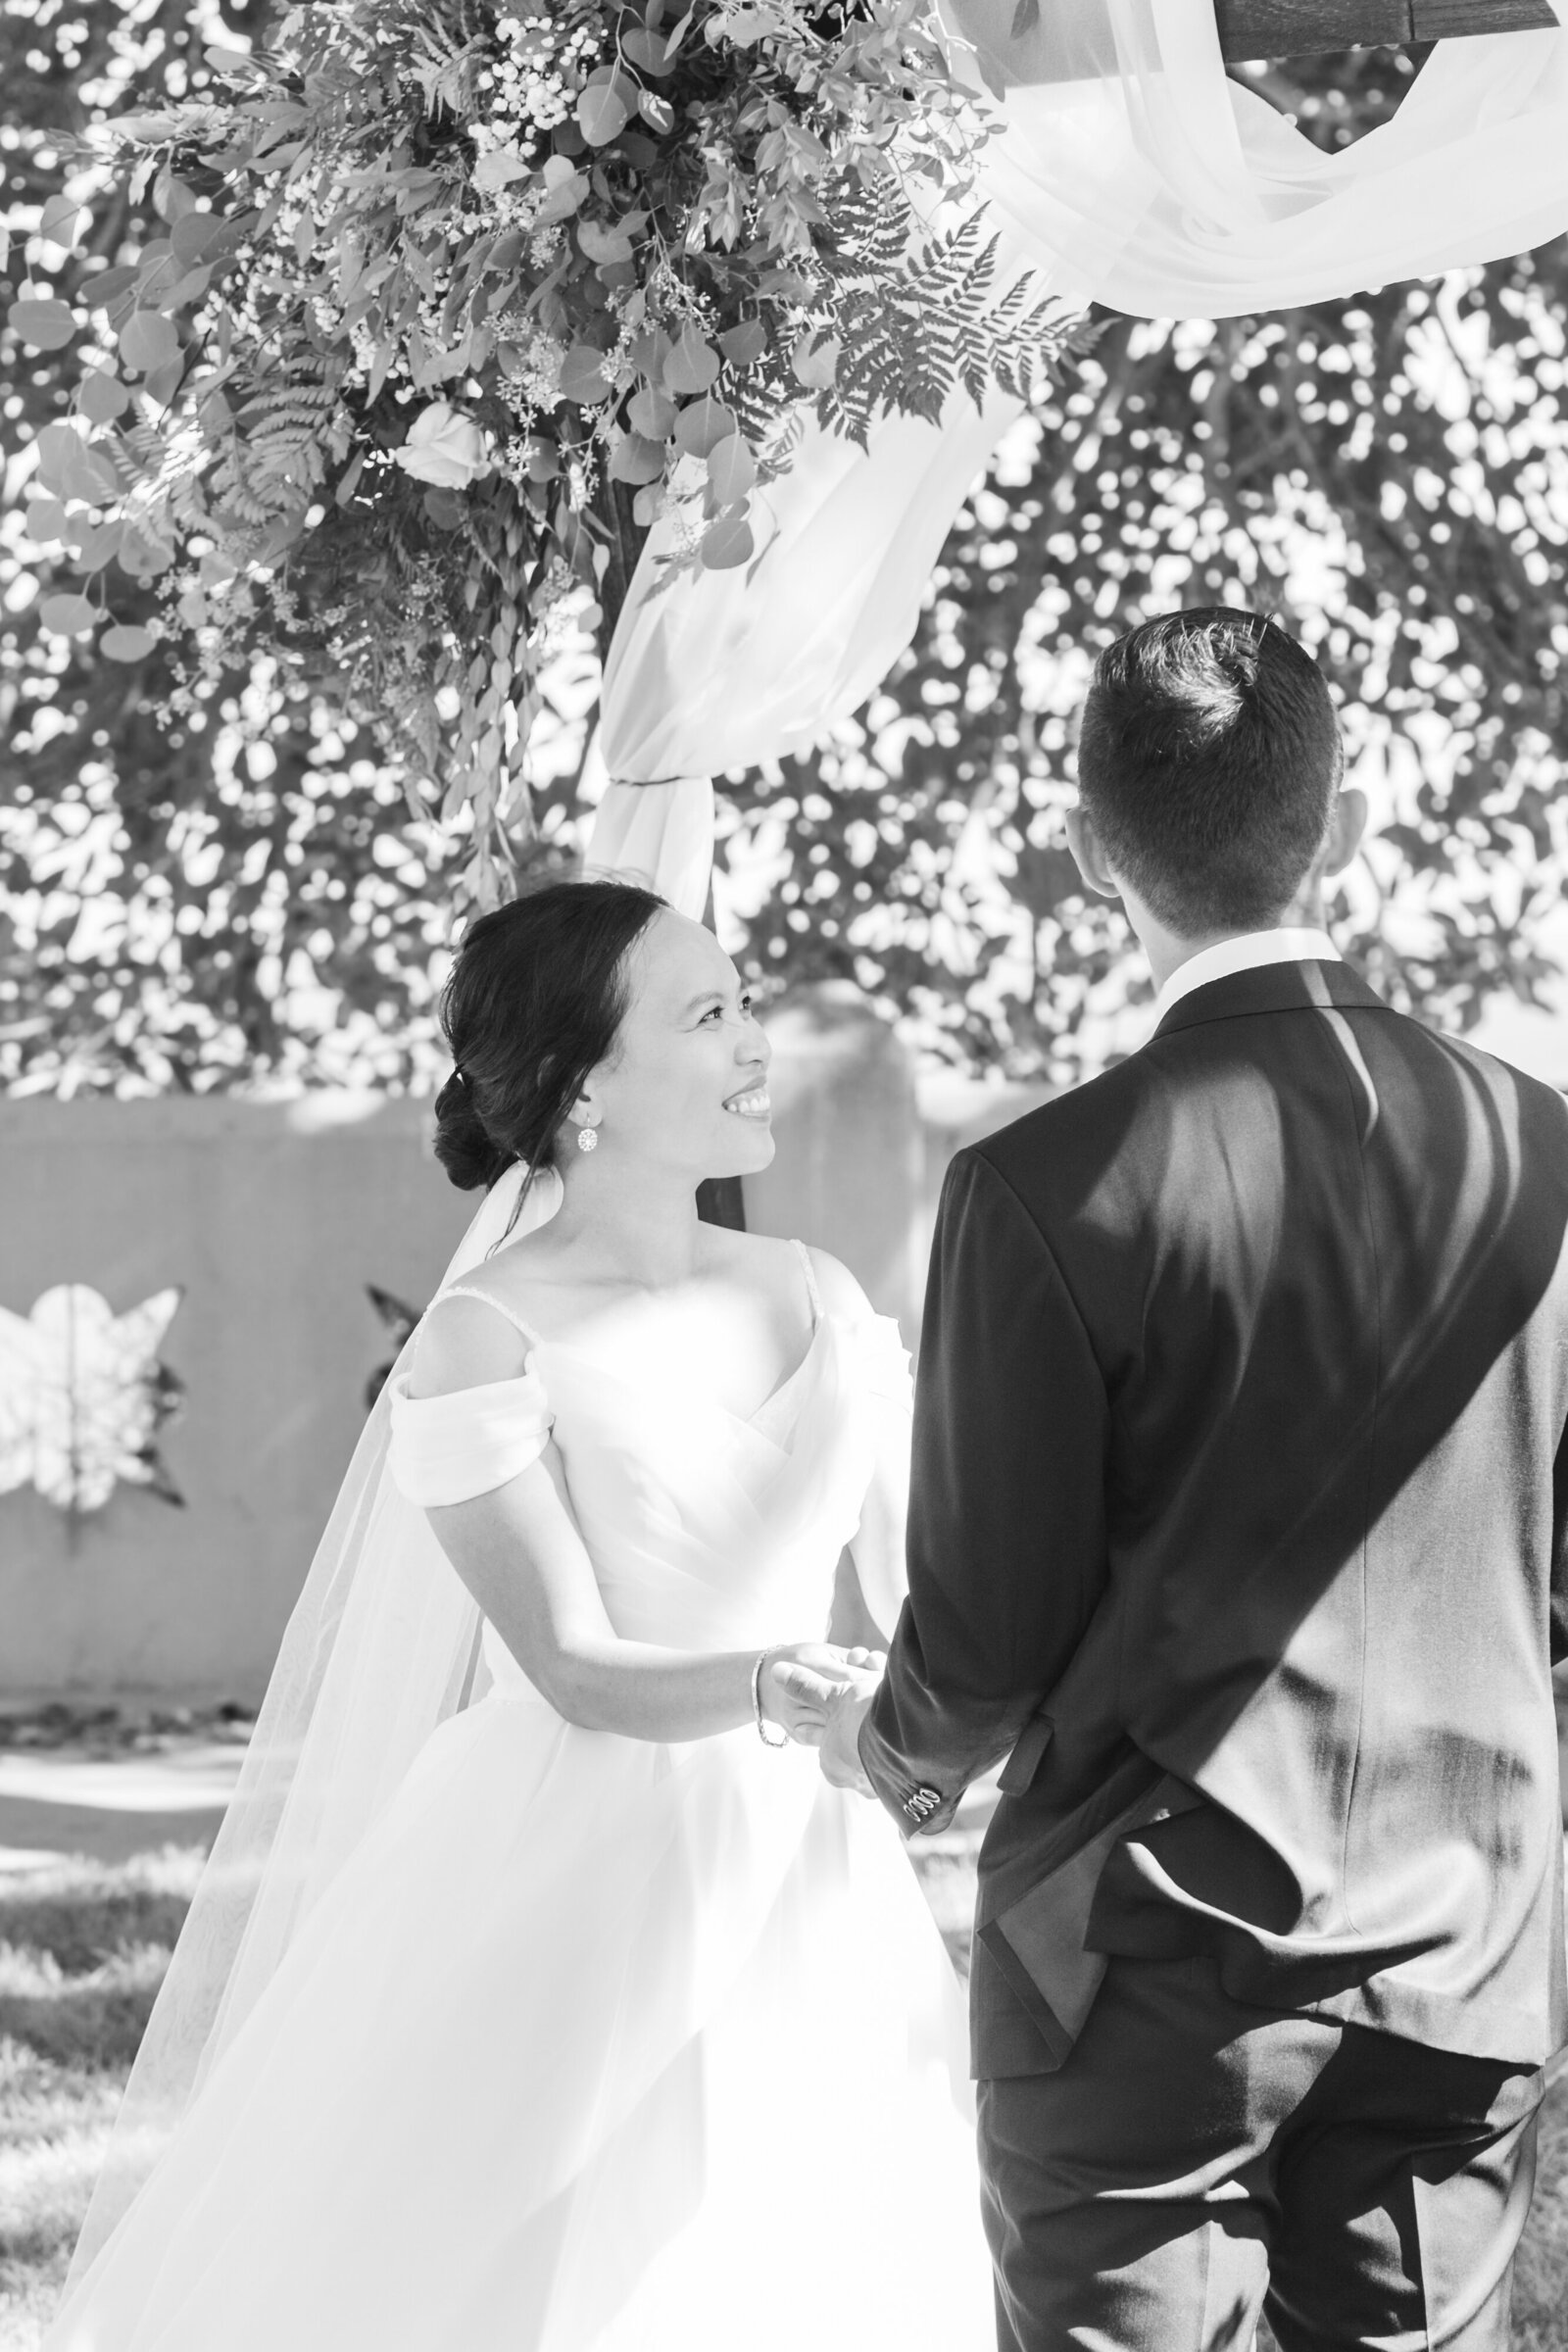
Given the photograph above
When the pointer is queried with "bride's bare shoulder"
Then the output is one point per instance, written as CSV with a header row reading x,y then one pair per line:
x,y
480,1329
466,1340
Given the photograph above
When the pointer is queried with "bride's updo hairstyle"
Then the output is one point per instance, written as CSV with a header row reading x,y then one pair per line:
x,y
535,1003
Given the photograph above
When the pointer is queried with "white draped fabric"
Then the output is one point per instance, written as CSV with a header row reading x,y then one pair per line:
x,y
1175,192
1131,170
723,669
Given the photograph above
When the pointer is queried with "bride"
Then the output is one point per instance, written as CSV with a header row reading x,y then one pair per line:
x,y
531,2001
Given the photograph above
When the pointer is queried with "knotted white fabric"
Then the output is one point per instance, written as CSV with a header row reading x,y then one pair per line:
x,y
723,669
1131,170
660,835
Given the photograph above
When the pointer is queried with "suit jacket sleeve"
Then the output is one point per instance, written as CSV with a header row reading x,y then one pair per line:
x,y
1558,1597
1006,1540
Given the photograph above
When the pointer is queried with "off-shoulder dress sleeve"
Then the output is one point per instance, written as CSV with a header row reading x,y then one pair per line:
x,y
449,1449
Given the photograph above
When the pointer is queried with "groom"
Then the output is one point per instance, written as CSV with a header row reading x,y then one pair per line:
x,y
1238,1527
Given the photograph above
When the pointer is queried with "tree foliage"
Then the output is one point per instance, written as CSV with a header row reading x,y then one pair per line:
x,y
1389,476
430,278
246,894
237,894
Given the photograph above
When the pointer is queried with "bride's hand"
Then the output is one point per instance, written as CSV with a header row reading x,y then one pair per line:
x,y
798,1681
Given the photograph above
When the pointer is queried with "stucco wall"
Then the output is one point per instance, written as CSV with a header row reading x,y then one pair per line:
x,y
274,1217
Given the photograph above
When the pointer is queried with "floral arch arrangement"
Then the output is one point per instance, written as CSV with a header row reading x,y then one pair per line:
x,y
455,298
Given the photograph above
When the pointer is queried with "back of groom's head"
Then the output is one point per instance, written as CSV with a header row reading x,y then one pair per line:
x,y
1209,758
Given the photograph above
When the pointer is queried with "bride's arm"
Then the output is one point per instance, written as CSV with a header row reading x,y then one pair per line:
x,y
519,1551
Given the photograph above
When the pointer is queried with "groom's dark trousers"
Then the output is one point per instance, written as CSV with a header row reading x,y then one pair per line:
x,y
1238,1527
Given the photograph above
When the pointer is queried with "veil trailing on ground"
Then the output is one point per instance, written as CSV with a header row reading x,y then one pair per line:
x,y
382,1646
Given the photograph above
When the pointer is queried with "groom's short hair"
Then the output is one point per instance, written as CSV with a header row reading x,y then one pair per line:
x,y
1209,757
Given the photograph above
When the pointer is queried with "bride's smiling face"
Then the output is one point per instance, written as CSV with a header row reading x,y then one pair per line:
x,y
687,1084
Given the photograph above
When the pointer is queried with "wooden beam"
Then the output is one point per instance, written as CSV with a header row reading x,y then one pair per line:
x,y
1441,20
1037,41
1301,28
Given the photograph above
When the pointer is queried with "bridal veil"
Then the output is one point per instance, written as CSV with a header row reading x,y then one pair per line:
x,y
382,1646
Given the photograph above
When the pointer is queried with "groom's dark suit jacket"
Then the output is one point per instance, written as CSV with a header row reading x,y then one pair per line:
x,y
1238,1518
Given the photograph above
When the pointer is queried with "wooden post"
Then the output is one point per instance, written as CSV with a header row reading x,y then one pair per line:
x,y
1032,41
1301,28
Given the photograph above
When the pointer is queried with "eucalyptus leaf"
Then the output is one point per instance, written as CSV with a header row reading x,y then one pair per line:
x,y
744,344
61,220
101,397
66,615
693,363
161,383
237,63
194,236
87,475
602,242
649,52
128,641
142,557
445,508
652,413
815,360
148,340
731,469
603,112
498,169
702,425
172,196
44,324
727,544
582,376
98,546
45,519
108,286
636,460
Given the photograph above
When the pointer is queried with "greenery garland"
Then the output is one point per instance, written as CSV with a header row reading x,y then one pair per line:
x,y
455,300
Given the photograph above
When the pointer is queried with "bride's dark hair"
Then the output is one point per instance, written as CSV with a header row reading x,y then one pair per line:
x,y
532,1005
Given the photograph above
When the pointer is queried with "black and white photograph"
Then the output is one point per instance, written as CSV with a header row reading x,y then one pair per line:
x,y
783,1175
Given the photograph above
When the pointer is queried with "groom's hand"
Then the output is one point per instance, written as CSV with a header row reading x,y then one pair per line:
x,y
799,1685
839,1752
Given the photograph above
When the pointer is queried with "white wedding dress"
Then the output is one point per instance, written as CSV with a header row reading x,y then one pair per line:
x,y
596,2045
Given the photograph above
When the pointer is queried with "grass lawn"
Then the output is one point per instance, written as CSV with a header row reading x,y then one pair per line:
x,y
82,1948
82,1951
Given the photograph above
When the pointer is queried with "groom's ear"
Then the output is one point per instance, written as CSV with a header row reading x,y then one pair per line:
x,y
1345,828
1088,856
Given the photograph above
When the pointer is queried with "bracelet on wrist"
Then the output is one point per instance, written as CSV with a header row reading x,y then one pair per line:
x,y
770,1735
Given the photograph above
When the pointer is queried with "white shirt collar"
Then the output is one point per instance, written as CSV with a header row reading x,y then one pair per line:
x,y
1248,953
